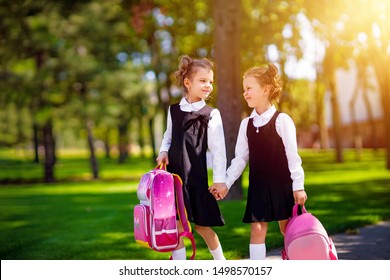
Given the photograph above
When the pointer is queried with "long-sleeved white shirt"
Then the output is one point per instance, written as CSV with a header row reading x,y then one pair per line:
x,y
286,130
215,138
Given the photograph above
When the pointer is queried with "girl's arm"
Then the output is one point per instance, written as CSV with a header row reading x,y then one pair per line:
x,y
166,142
286,130
241,158
216,146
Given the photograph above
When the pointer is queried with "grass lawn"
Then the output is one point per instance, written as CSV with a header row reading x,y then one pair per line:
x,y
77,218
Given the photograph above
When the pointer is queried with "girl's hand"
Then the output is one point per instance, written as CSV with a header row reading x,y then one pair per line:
x,y
219,190
162,158
300,197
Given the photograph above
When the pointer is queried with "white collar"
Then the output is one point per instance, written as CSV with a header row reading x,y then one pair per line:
x,y
196,106
266,115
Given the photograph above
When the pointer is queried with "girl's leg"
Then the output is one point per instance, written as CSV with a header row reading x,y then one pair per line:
x,y
282,226
257,249
180,252
212,241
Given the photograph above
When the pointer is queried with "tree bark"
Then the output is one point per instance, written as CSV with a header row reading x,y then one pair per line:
x,y
381,64
152,140
329,72
107,147
123,142
48,142
356,135
227,17
370,116
336,118
141,140
36,142
92,155
320,113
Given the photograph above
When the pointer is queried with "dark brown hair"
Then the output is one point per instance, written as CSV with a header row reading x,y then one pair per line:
x,y
189,66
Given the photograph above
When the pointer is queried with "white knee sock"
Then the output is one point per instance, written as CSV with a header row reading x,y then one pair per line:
x,y
179,254
257,251
217,253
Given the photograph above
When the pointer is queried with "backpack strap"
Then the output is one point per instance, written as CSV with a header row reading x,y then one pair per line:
x,y
181,210
332,255
284,255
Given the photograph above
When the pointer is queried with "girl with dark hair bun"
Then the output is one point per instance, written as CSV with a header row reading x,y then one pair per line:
x,y
267,140
193,129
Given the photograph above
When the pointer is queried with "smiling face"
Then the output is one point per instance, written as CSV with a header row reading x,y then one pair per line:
x,y
200,85
255,94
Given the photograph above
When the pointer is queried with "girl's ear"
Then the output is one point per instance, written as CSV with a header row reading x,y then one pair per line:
x,y
267,89
187,83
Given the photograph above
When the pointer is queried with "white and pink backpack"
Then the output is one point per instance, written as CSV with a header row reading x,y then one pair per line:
x,y
306,238
155,224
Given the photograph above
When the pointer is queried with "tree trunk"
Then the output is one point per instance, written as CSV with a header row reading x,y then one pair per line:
x,y
48,142
329,71
227,17
152,140
123,142
321,120
141,140
92,156
336,118
381,65
36,143
370,116
356,135
107,143
386,110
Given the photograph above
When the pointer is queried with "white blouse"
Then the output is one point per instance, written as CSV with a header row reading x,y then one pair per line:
x,y
286,129
215,138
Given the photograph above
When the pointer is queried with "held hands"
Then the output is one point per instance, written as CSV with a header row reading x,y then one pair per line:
x,y
300,197
219,190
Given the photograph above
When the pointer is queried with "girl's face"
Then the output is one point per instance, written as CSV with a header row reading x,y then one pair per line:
x,y
255,95
200,86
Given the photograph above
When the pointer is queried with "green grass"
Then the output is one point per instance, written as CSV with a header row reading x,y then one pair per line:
x,y
77,218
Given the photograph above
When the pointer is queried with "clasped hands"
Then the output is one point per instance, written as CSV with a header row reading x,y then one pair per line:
x,y
219,190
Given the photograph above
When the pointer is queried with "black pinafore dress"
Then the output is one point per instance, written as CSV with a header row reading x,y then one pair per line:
x,y
187,158
270,195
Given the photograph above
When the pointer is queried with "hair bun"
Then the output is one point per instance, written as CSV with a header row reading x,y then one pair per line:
x,y
184,64
272,71
185,61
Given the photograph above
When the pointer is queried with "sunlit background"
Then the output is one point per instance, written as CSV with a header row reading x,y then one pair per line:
x,y
99,74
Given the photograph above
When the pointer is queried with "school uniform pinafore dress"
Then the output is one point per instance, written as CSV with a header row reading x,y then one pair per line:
x,y
270,195
187,158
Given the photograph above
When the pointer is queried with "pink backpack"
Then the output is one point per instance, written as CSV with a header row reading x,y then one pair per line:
x,y
306,239
155,224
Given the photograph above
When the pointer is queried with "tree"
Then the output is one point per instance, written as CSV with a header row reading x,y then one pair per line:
x,y
29,38
227,31
366,30
378,50
327,22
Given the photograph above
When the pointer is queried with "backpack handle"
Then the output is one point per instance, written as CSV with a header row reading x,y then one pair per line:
x,y
162,166
296,207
